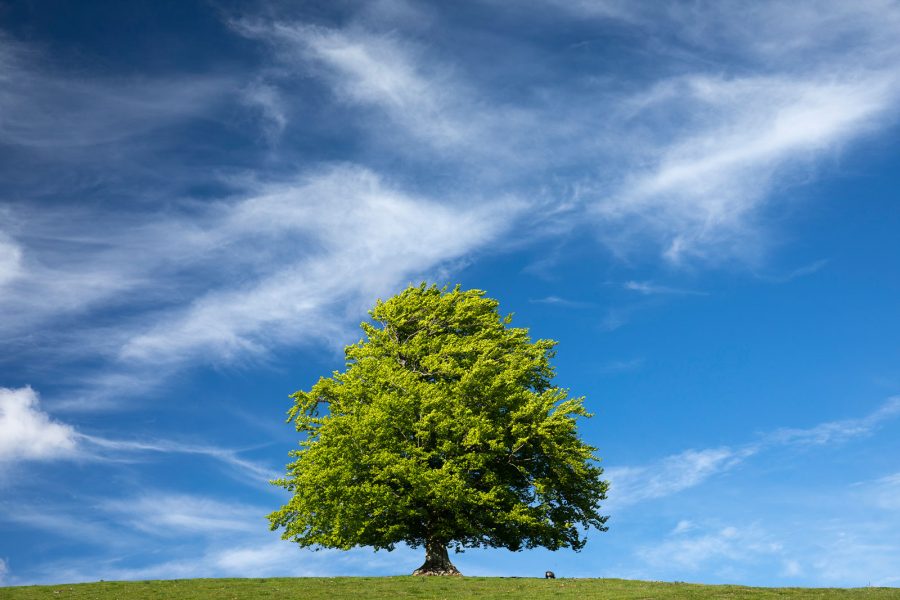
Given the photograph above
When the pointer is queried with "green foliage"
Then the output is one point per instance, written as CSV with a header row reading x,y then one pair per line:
x,y
443,427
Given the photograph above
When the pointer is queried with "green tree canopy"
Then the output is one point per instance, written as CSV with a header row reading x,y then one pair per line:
x,y
443,430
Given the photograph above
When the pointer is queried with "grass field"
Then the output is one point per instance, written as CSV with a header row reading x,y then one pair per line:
x,y
419,587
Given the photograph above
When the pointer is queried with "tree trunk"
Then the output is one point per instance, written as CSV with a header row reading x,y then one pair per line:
x,y
437,561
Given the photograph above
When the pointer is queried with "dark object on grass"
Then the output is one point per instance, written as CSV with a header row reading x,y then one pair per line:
x,y
549,575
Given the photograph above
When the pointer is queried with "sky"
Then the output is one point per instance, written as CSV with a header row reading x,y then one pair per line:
x,y
200,200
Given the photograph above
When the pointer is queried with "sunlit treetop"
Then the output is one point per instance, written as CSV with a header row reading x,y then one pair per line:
x,y
444,429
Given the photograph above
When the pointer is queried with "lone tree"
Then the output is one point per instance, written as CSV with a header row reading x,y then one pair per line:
x,y
444,430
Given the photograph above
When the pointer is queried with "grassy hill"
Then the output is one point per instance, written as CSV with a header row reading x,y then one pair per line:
x,y
419,587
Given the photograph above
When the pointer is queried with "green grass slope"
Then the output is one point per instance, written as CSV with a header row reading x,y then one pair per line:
x,y
419,587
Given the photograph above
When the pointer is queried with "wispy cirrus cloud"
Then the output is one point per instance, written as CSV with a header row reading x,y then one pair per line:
x,y
271,106
82,524
852,548
672,474
883,493
684,161
687,163
28,433
277,258
229,557
648,288
757,98
564,302
165,514
364,67
354,238
622,366
47,110
291,262
218,539
10,259
427,101
678,472
709,179
796,273
688,552
94,447
835,431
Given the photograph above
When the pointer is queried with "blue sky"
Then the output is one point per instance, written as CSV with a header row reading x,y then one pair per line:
x,y
200,200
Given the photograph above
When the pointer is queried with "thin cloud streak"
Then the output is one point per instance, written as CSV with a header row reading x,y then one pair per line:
x,y
799,272
694,159
726,138
53,112
691,161
253,472
564,302
367,239
56,520
678,472
424,98
28,433
690,553
163,514
310,254
648,288
621,366
882,493
234,557
219,539
710,180
813,267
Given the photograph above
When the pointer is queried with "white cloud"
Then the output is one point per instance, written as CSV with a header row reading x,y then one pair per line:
x,y
804,271
836,431
277,558
4,571
648,288
792,568
671,475
10,259
683,526
883,493
273,110
685,165
426,105
687,553
857,552
380,70
678,472
621,366
109,449
216,538
354,238
846,544
184,514
690,163
762,93
238,555
709,177
51,111
564,302
283,263
28,433
58,521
